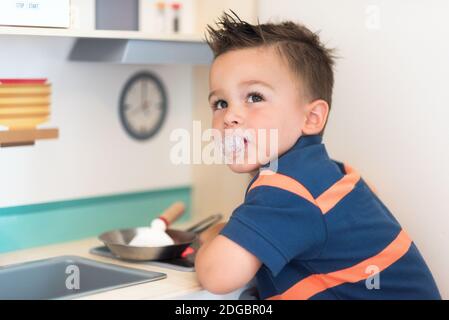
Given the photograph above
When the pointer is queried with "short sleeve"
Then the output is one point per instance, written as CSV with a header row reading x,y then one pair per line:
x,y
277,226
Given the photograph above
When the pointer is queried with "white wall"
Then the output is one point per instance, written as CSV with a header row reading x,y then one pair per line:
x,y
390,113
93,156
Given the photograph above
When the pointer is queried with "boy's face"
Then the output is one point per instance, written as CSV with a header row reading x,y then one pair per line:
x,y
234,78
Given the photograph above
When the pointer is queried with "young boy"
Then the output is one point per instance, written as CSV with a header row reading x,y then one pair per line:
x,y
312,229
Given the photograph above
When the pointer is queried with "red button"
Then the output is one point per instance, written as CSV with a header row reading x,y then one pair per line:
x,y
188,251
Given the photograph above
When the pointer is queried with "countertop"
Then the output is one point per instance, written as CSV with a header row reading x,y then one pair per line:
x,y
177,285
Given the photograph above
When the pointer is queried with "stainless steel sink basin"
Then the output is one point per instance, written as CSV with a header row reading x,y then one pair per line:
x,y
67,277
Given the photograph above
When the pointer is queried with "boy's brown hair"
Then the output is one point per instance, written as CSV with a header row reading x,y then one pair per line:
x,y
306,55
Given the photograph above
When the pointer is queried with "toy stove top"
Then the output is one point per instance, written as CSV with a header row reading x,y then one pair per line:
x,y
184,263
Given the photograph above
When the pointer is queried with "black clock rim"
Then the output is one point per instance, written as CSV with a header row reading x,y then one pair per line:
x,y
161,87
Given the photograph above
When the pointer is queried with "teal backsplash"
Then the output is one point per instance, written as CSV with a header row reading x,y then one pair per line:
x,y
41,224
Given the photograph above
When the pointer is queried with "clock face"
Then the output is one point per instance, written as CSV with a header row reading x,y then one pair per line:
x,y
143,106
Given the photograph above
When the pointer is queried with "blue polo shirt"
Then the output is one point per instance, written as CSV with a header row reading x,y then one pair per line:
x,y
322,233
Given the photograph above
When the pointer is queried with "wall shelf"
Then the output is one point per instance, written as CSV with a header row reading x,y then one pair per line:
x,y
102,34
13,138
127,47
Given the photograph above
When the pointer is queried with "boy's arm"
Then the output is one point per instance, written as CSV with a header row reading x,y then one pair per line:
x,y
221,265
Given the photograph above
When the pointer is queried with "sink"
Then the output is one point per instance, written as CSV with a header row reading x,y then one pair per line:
x,y
67,277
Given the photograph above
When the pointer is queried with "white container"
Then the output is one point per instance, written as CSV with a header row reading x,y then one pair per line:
x,y
153,21
35,13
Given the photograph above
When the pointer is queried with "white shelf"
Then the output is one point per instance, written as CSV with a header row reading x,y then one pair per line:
x,y
125,47
98,34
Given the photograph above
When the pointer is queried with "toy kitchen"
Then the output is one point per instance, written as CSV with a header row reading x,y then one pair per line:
x,y
90,93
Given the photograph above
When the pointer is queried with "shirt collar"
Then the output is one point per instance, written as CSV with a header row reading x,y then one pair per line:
x,y
291,156
301,143
305,141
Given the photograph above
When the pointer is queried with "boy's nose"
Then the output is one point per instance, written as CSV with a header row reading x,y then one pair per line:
x,y
233,117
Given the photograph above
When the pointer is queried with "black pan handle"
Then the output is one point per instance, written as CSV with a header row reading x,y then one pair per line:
x,y
205,223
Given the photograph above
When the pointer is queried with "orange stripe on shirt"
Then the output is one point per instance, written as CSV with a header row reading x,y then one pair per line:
x,y
329,198
317,283
272,179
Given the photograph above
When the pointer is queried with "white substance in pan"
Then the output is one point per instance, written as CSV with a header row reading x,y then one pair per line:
x,y
154,236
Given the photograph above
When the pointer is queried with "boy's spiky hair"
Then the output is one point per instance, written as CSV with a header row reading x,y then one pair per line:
x,y
307,57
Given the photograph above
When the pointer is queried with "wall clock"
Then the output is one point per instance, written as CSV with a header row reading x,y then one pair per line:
x,y
143,105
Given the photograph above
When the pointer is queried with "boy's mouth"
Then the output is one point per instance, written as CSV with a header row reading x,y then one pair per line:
x,y
234,144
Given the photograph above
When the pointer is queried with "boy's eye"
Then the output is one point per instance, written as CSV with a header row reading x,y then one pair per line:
x,y
252,98
256,97
219,104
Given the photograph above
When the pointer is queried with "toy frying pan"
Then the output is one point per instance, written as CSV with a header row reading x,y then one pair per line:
x,y
118,242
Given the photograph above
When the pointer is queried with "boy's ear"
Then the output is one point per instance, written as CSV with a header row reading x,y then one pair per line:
x,y
316,114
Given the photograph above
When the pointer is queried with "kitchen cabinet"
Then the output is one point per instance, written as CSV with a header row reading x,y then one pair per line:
x,y
138,47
